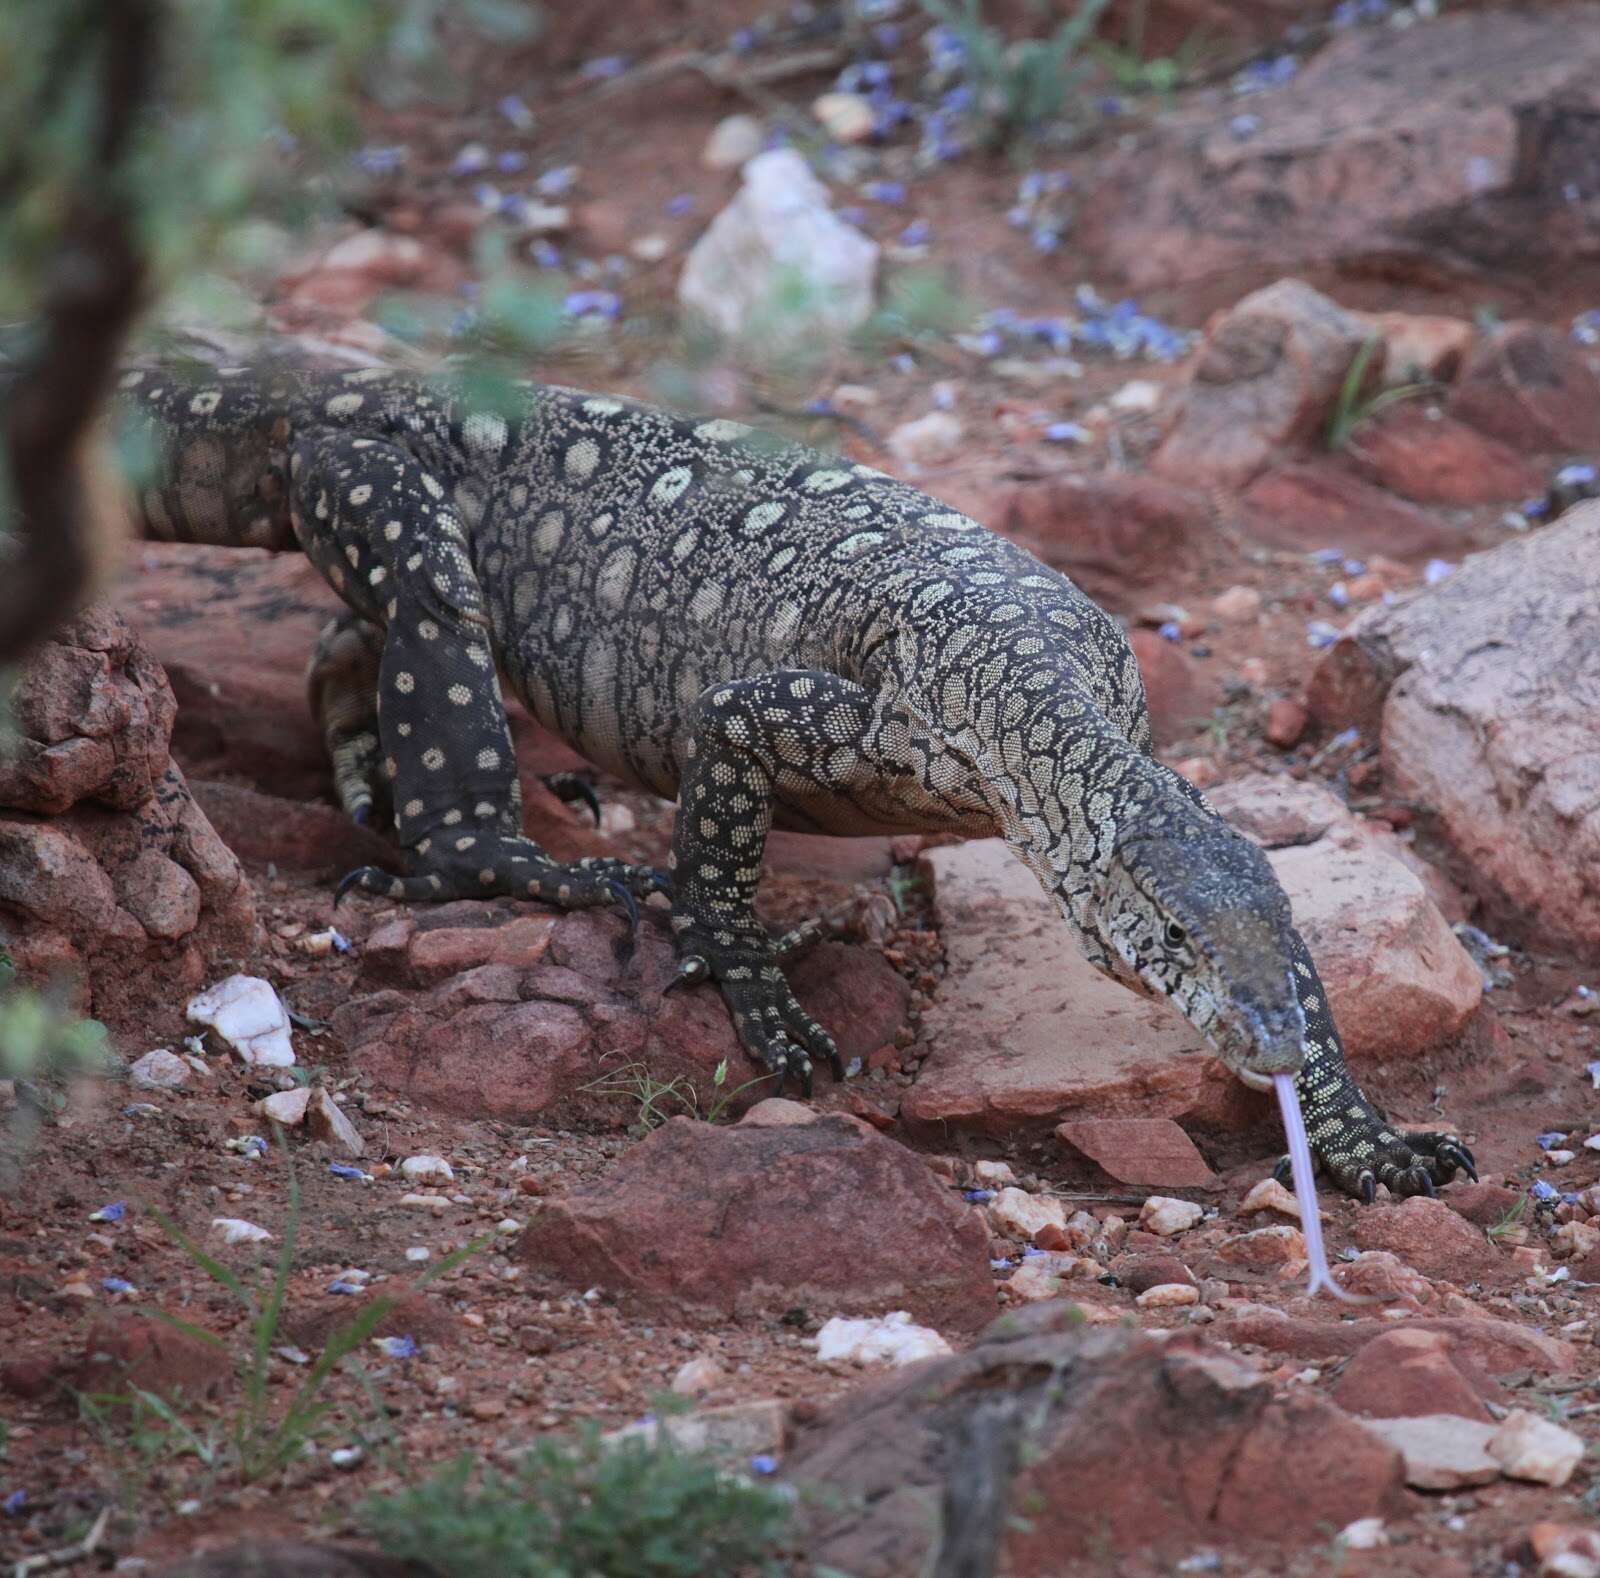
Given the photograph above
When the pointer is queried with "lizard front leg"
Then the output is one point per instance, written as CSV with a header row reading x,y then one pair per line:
x,y
1348,1134
797,737
376,523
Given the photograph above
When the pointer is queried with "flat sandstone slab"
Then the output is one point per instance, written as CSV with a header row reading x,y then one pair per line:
x,y
1026,1031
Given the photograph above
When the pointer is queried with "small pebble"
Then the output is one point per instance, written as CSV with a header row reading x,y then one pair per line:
x,y
427,1170
425,1202
159,1070
697,1376
235,1230
1163,1215
1365,1534
1164,1294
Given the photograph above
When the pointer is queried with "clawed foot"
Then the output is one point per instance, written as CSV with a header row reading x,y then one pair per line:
x,y
1362,1156
771,1025
571,789
484,865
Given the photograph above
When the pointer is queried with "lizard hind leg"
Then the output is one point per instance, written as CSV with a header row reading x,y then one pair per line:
x,y
382,531
342,689
803,738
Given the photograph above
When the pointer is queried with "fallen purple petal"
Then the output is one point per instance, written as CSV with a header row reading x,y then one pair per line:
x,y
592,303
515,111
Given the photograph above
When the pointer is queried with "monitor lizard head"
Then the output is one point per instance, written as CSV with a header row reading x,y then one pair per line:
x,y
1192,911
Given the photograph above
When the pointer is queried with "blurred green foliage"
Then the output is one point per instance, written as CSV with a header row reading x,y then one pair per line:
x,y
256,101
1022,84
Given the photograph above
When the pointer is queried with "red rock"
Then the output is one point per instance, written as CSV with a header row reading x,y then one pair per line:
x,y
1478,1346
735,1221
1264,1248
1172,685
1404,1374
1484,689
1387,152
1483,1204
295,835
1218,1457
1145,1152
1422,346
1324,503
442,951
1286,722
1373,913
1398,981
420,1316
1376,1274
1112,532
1278,812
30,1378
1139,1273
1430,1238
1430,458
1530,386
122,1352
126,885
534,1014
1262,387
1566,1549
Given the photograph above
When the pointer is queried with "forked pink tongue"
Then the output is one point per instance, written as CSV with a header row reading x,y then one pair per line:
x,y
1305,1192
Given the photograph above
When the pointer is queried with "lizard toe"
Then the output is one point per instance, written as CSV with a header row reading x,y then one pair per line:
x,y
573,788
772,1026
381,884
818,1043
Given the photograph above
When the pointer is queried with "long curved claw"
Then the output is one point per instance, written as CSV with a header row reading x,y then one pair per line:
x,y
1283,1173
692,969
784,1058
359,878
630,907
1369,1188
570,787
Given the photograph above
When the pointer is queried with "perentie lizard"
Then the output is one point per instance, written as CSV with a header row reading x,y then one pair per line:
x,y
767,634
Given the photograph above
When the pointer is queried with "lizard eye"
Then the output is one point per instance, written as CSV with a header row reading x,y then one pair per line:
x,y
1175,934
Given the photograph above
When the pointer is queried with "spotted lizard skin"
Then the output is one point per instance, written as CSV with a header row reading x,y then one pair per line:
x,y
768,635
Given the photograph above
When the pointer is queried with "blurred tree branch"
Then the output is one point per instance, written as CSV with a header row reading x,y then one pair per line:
x,y
51,402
